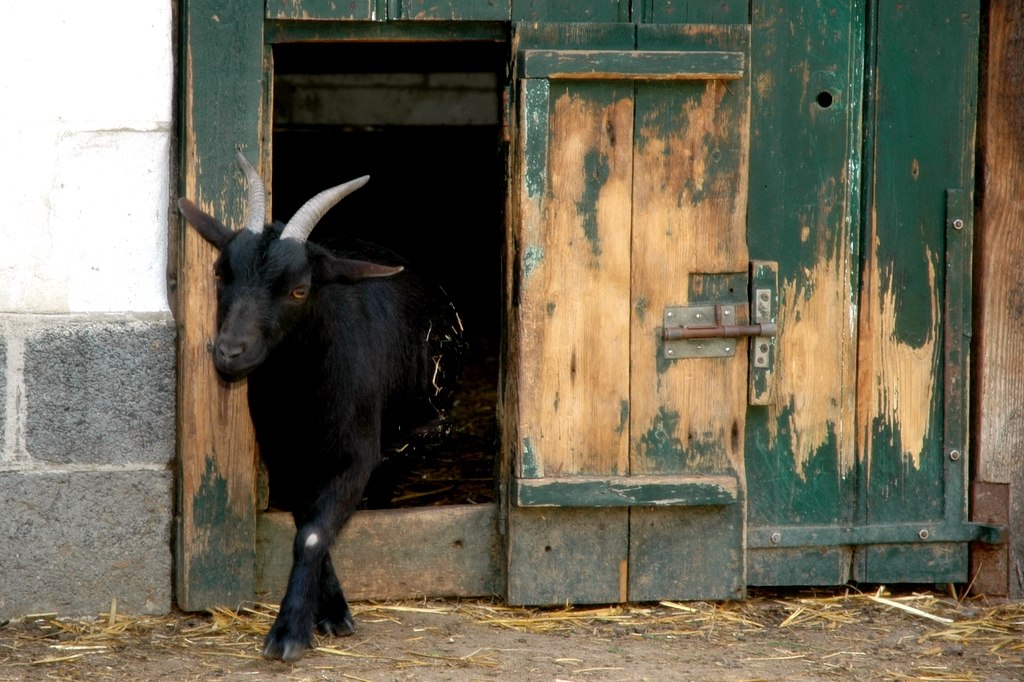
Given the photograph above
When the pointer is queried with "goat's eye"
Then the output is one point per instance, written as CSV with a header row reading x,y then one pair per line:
x,y
300,293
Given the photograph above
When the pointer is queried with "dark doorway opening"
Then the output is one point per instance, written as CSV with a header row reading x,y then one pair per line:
x,y
423,119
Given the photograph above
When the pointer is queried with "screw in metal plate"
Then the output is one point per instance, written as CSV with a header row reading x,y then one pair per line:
x,y
958,224
954,455
776,537
923,534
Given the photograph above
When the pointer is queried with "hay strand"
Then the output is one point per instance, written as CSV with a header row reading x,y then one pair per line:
x,y
910,609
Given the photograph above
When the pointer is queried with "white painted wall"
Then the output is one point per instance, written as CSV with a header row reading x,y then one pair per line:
x,y
85,123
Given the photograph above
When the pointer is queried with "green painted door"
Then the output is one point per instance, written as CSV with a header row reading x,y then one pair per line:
x,y
837,452
861,181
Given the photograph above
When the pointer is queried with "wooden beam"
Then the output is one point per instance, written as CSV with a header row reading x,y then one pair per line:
x,y
449,551
222,98
999,309
626,491
631,65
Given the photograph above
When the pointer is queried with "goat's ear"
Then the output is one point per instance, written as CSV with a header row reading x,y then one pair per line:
x,y
330,268
211,229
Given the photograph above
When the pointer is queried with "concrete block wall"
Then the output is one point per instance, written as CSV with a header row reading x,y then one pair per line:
x,y
87,340
88,428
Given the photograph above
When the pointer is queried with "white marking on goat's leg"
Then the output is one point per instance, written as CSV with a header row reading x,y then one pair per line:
x,y
312,540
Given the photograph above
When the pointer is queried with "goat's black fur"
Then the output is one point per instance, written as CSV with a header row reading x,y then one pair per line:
x,y
345,353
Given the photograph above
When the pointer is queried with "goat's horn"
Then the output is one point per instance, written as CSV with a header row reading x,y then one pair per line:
x,y
256,208
306,218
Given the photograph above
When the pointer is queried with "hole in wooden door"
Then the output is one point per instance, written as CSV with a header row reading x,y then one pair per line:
x,y
424,121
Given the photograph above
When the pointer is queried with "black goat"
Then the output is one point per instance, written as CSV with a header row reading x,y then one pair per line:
x,y
346,353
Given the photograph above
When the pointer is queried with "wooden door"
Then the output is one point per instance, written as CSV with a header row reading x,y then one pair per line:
x,y
628,198
841,457
862,168
229,548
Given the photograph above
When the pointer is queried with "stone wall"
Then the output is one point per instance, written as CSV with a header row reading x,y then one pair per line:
x,y
88,437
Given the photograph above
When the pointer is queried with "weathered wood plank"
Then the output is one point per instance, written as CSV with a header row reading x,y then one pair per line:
x,y
998,433
383,10
450,10
803,213
686,416
934,562
566,393
308,10
631,65
691,12
689,238
552,11
574,282
799,566
625,491
546,35
924,104
956,332
222,94
450,551
286,31
568,555
691,554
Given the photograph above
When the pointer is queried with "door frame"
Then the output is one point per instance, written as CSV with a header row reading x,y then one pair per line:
x,y
226,550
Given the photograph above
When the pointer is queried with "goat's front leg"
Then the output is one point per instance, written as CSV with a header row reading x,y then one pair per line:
x,y
313,595
333,616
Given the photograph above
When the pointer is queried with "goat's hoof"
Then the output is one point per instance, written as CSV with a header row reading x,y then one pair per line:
x,y
337,627
283,647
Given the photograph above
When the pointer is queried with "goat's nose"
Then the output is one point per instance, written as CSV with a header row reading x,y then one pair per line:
x,y
229,349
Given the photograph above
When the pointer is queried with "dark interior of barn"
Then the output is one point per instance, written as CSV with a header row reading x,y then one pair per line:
x,y
423,120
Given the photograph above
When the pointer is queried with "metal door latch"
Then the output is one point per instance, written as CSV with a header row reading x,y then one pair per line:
x,y
709,331
713,330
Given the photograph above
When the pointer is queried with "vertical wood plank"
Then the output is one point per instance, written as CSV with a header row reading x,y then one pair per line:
x,y
574,282
689,224
999,321
222,45
689,217
924,111
568,321
804,214
568,556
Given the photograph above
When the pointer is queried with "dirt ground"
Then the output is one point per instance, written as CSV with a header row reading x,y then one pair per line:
x,y
800,635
